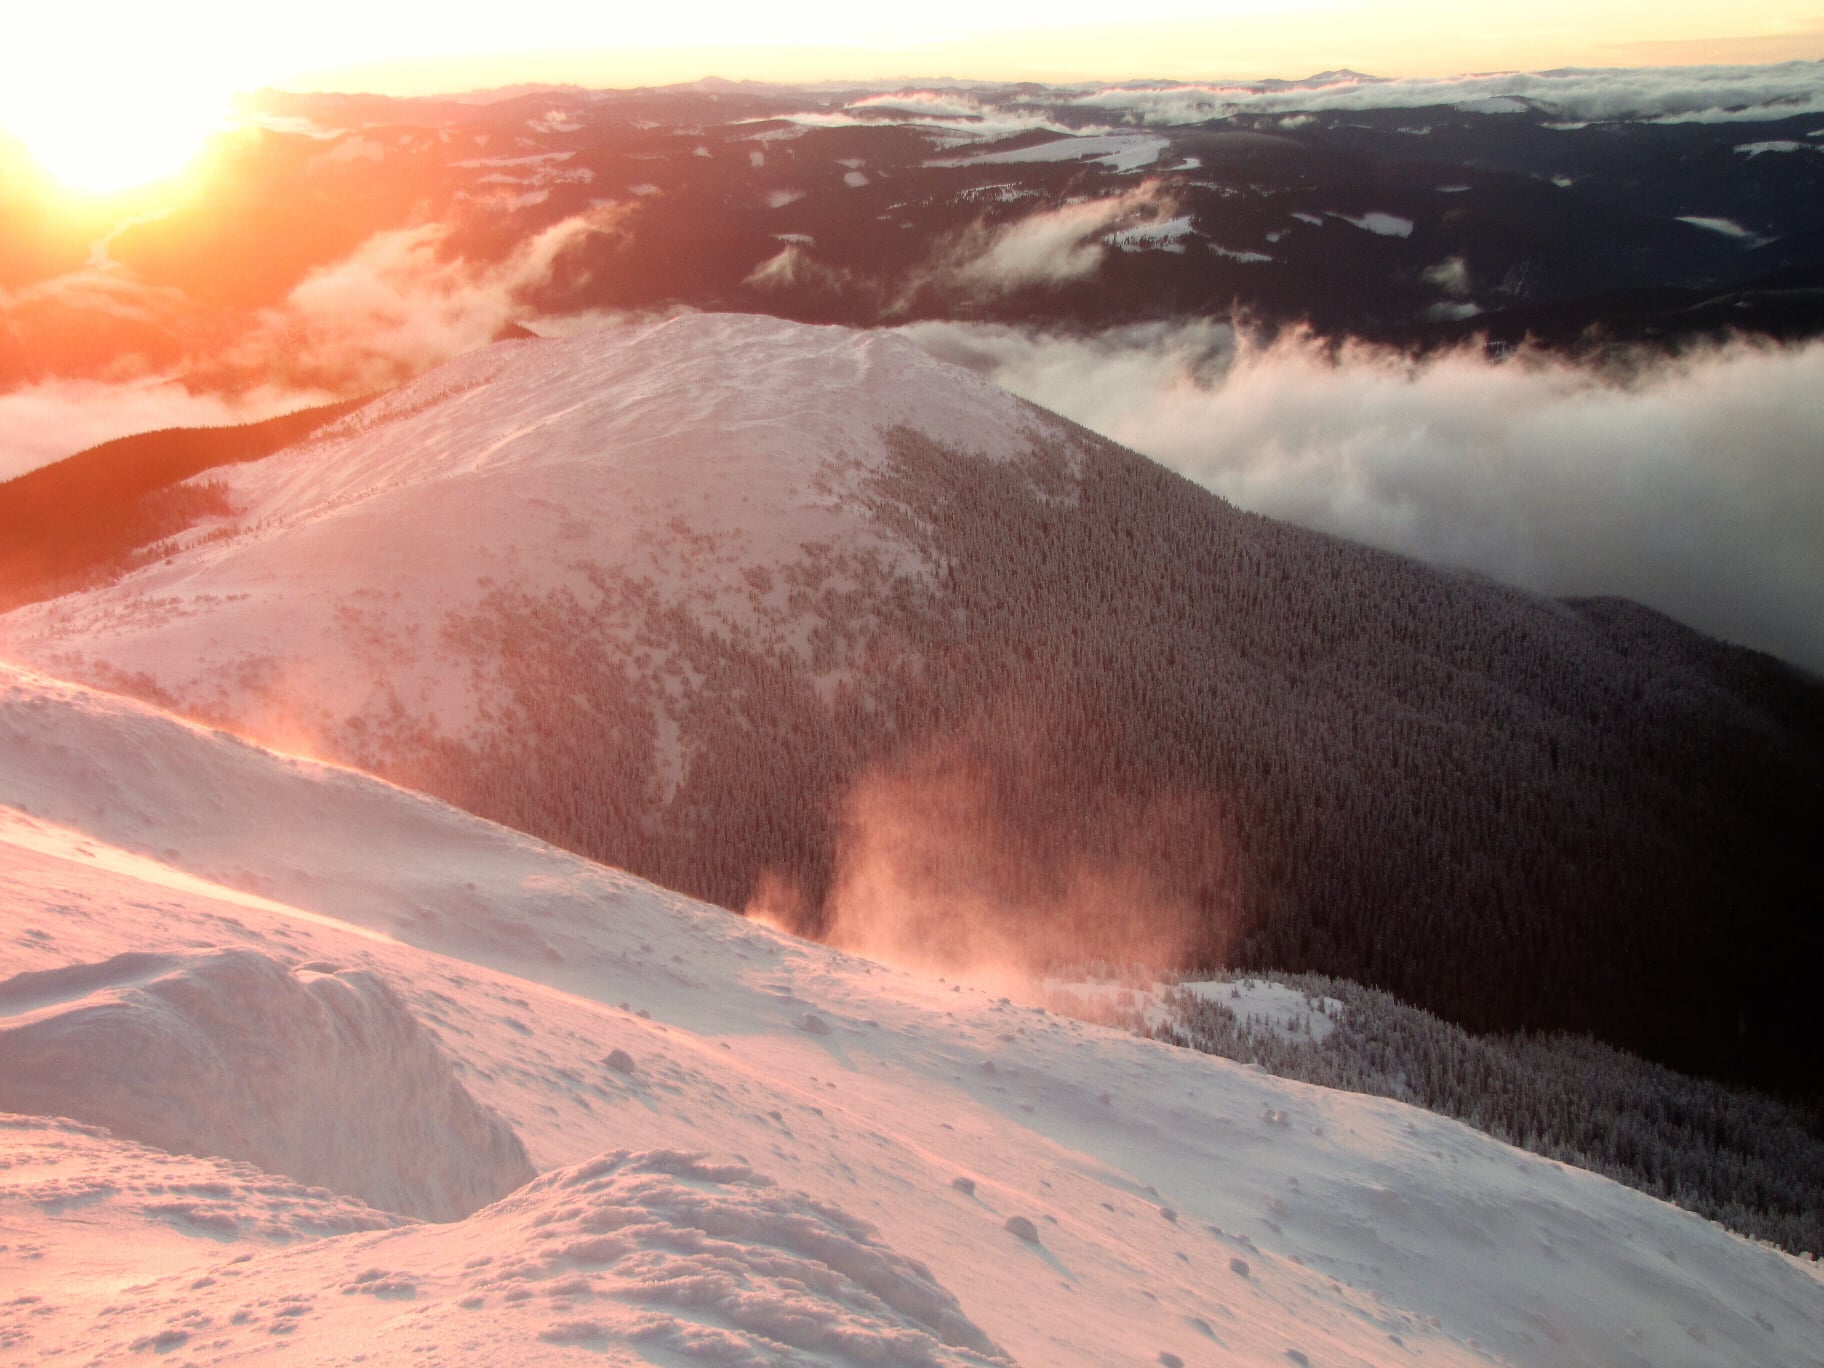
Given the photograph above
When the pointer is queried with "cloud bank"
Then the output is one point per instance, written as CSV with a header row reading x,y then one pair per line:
x,y
400,303
45,422
1692,484
1671,94
1044,250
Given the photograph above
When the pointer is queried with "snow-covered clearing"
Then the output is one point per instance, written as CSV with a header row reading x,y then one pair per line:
x,y
1381,224
1260,1004
1117,151
753,1150
1727,227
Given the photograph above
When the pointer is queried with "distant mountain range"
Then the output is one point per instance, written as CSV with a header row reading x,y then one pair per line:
x,y
805,621
1575,208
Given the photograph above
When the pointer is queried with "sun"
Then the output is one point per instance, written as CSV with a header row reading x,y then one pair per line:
x,y
103,147
106,160
107,98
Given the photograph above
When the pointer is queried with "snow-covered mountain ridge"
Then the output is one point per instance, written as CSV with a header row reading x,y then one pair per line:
x,y
523,463
797,616
863,1136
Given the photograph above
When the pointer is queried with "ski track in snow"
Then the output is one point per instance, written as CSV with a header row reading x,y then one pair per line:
x,y
753,1150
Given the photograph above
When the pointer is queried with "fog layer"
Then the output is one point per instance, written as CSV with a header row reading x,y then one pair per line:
x,y
1693,484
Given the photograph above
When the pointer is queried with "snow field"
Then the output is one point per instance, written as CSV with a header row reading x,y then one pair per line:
x,y
770,1190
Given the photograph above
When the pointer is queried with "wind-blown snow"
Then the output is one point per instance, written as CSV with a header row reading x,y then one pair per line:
x,y
932,1175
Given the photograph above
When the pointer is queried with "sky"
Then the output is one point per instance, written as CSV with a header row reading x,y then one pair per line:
x,y
68,74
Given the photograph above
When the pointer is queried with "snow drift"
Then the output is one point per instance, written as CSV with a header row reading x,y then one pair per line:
x,y
321,1075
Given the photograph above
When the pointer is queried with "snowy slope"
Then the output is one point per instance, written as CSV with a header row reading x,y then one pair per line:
x,y
522,464
864,1137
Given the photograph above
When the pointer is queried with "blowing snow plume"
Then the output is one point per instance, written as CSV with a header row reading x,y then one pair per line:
x,y
991,855
1690,483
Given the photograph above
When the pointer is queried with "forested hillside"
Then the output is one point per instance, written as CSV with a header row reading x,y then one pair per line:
x,y
1273,747
98,513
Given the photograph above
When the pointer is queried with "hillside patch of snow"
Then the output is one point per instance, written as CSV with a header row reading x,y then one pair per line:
x,y
1727,227
1381,224
347,152
1118,151
1167,235
1270,1006
531,159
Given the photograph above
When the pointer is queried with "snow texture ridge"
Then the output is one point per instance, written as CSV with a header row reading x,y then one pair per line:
x,y
321,1075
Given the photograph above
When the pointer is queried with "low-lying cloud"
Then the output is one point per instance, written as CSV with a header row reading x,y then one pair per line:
x,y
952,116
1671,94
46,422
1047,249
1690,484
400,303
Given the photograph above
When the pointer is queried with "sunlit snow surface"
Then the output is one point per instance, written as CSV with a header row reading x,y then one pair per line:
x,y
752,1150
524,464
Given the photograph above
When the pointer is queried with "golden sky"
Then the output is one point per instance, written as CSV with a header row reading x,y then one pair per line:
x,y
150,75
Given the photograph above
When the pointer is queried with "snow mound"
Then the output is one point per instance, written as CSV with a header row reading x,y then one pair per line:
x,y
58,1165
323,1076
654,1256
721,1264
